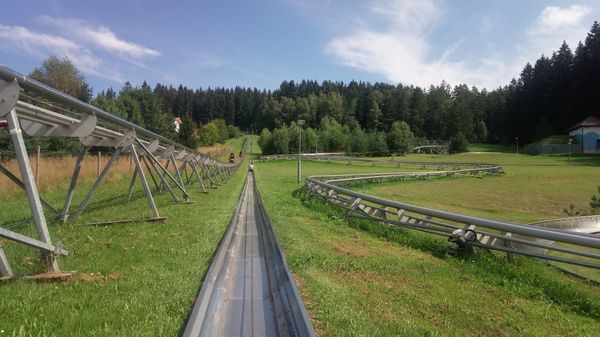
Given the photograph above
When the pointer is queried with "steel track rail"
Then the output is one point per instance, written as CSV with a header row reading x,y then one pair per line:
x,y
249,290
574,241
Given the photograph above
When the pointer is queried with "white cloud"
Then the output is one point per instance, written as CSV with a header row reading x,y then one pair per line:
x,y
100,36
401,51
40,45
552,19
553,26
394,41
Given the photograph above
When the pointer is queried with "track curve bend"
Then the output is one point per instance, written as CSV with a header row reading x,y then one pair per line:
x,y
569,241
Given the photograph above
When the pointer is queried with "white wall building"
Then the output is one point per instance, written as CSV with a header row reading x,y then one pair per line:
x,y
587,134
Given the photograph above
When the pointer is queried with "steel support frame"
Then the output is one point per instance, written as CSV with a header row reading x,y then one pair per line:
x,y
16,134
9,95
156,165
74,177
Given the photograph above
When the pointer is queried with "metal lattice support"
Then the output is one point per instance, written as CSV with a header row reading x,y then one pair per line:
x,y
16,134
72,118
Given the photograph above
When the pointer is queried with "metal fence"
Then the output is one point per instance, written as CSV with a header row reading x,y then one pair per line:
x,y
33,108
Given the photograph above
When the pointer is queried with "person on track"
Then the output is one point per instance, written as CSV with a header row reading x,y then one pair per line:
x,y
251,167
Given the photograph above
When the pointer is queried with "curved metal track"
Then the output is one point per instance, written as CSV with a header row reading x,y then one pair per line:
x,y
573,241
249,290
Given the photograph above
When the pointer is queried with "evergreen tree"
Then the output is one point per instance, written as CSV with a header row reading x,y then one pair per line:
x,y
187,133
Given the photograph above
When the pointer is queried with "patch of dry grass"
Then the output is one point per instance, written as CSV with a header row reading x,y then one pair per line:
x,y
55,171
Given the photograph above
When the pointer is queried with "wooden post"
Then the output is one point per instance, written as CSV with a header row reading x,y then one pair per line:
x,y
98,163
37,167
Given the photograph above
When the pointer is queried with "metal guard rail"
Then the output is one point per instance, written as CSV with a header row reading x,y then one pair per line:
x,y
577,246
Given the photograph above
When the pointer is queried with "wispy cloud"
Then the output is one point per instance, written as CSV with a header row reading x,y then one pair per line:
x,y
554,18
554,25
40,45
95,49
100,36
401,50
396,42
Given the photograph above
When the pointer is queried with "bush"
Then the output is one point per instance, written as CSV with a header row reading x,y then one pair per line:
x,y
400,139
358,141
458,143
264,141
210,134
234,131
280,140
378,145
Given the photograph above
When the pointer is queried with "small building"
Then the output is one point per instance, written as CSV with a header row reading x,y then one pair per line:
x,y
587,134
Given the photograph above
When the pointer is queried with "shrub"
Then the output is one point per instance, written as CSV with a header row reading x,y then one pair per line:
x,y
458,143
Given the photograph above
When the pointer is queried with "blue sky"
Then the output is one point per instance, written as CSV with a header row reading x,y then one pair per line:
x,y
261,43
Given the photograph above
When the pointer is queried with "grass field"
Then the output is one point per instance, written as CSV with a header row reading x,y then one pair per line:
x,y
136,279
533,187
359,278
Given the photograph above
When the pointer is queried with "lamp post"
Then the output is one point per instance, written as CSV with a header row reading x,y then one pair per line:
x,y
517,139
570,142
300,123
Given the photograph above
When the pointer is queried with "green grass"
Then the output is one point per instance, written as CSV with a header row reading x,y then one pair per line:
x,y
489,148
533,187
554,139
135,279
360,278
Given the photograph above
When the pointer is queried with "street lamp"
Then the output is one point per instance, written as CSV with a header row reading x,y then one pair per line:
x,y
517,139
300,123
570,142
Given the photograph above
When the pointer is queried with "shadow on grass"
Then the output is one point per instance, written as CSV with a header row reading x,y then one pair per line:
x,y
526,277
96,206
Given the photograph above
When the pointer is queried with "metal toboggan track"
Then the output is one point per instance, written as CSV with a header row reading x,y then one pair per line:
x,y
249,290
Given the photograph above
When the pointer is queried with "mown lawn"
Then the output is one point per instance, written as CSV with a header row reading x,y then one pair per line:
x,y
134,279
360,278
532,188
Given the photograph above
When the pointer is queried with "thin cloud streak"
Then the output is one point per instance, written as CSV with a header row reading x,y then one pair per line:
x,y
102,37
41,45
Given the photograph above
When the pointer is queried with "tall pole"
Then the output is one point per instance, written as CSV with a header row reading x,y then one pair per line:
x,y
300,123
570,141
299,161
517,138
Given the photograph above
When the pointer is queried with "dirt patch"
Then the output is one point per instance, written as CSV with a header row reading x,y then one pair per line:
x,y
356,247
385,281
